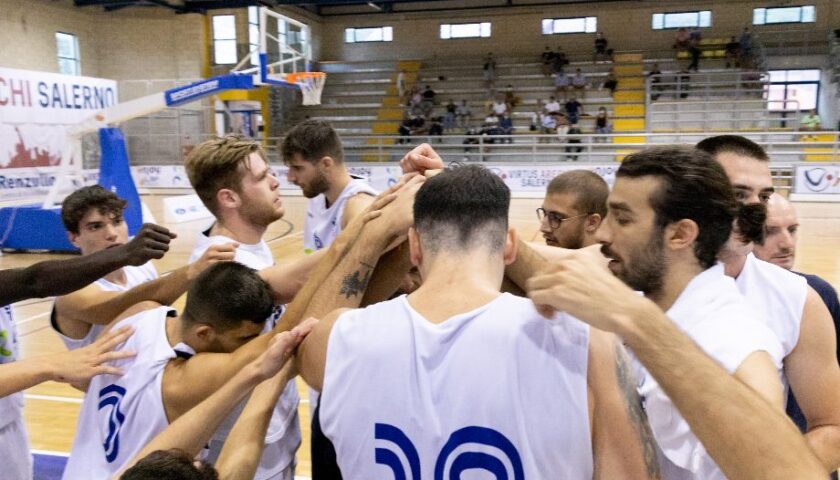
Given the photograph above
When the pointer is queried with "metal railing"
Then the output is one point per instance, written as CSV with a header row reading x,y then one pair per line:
x,y
783,147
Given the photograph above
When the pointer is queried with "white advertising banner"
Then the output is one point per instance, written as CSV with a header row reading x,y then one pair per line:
x,y
35,107
523,180
816,183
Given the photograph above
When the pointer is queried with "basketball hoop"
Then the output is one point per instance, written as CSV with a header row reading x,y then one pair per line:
x,y
311,85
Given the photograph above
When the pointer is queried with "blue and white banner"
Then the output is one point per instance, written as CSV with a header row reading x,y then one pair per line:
x,y
202,88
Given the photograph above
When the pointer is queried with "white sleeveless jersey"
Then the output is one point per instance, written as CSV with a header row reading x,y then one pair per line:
x,y
499,389
134,276
713,314
120,415
778,297
10,405
283,437
323,224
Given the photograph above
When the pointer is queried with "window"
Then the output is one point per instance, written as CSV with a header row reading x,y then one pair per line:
x,y
803,14
682,20
793,89
465,30
224,39
552,26
68,53
254,35
368,34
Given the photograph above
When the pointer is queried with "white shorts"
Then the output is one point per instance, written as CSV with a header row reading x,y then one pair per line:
x,y
14,451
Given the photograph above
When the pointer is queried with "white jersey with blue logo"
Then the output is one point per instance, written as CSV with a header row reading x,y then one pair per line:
x,y
778,297
716,316
134,276
323,224
120,415
283,437
10,405
499,389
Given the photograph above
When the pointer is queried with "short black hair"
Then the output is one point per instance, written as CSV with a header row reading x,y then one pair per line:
x,y
590,190
461,207
78,203
169,464
312,140
733,144
692,186
227,294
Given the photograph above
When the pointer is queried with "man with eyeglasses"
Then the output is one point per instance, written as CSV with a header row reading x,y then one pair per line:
x,y
574,205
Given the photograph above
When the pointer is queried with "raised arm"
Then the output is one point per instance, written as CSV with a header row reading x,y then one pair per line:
x,y
91,305
744,434
814,376
76,366
339,280
60,277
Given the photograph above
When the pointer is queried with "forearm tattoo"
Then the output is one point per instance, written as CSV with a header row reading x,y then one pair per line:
x,y
355,283
638,417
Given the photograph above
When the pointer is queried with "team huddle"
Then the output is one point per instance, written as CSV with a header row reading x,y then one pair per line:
x,y
643,339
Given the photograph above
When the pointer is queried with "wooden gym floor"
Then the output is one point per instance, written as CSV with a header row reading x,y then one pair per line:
x,y
51,409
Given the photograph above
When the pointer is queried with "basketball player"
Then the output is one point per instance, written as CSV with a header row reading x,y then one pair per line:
x,y
744,434
54,277
785,302
575,203
235,182
172,452
451,366
779,248
312,151
671,211
94,221
222,320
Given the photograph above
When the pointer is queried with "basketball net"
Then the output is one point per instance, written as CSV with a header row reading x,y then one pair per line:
x,y
311,85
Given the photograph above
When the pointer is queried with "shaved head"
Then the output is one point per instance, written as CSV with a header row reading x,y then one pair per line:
x,y
782,226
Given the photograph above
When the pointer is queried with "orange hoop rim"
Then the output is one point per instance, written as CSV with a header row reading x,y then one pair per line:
x,y
295,77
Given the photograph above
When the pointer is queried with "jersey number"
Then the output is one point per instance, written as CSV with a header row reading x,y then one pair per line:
x,y
469,448
111,396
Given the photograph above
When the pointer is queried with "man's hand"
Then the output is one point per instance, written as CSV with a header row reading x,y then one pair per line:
x,y
581,286
281,349
421,158
80,365
151,242
222,252
398,214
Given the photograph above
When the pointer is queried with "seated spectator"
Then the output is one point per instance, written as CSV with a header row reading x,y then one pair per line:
x,y
436,126
745,44
536,117
428,100
552,106
510,98
499,107
602,125
610,82
601,50
561,84
489,68
574,110
449,119
655,82
506,127
682,40
733,52
490,127
562,128
547,59
560,61
549,125
463,114
573,144
579,83
811,121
